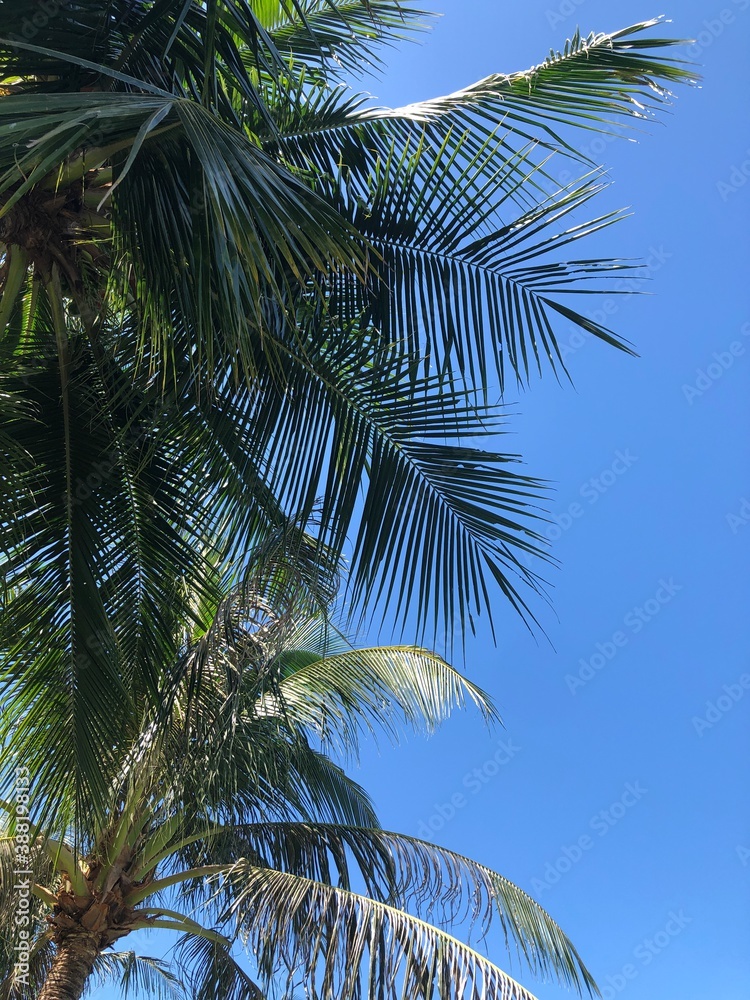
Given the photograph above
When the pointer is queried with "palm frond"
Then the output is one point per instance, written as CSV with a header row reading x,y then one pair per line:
x,y
592,83
426,184
434,509
212,972
340,943
137,976
95,569
382,688
337,36
439,885
464,283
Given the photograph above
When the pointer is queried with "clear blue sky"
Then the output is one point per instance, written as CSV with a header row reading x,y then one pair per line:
x,y
607,788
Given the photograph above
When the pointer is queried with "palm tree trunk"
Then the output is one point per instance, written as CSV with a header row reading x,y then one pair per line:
x,y
70,968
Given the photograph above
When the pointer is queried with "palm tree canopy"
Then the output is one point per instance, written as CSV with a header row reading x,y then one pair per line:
x,y
224,818
219,259
234,295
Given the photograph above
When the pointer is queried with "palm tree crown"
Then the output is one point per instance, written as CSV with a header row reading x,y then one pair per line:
x,y
226,819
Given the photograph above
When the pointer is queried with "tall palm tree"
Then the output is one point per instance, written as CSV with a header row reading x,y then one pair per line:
x,y
234,292
228,821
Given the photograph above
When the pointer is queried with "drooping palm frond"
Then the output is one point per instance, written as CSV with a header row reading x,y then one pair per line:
x,y
291,778
238,223
95,567
212,972
136,976
382,688
434,509
346,934
470,286
595,83
435,884
344,944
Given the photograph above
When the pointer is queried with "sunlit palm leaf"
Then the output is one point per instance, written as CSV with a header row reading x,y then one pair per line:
x,y
340,943
339,35
386,687
434,883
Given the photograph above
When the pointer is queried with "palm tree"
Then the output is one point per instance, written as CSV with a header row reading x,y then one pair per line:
x,y
235,297
228,820
235,293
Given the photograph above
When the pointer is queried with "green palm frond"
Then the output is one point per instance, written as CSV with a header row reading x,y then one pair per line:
x,y
468,281
344,944
290,779
592,83
95,570
439,885
339,36
475,151
138,976
212,972
238,222
283,579
383,688
434,509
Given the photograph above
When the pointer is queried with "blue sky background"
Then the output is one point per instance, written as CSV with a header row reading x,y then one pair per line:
x,y
558,814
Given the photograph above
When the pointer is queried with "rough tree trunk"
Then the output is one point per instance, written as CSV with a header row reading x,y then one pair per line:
x,y
70,968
